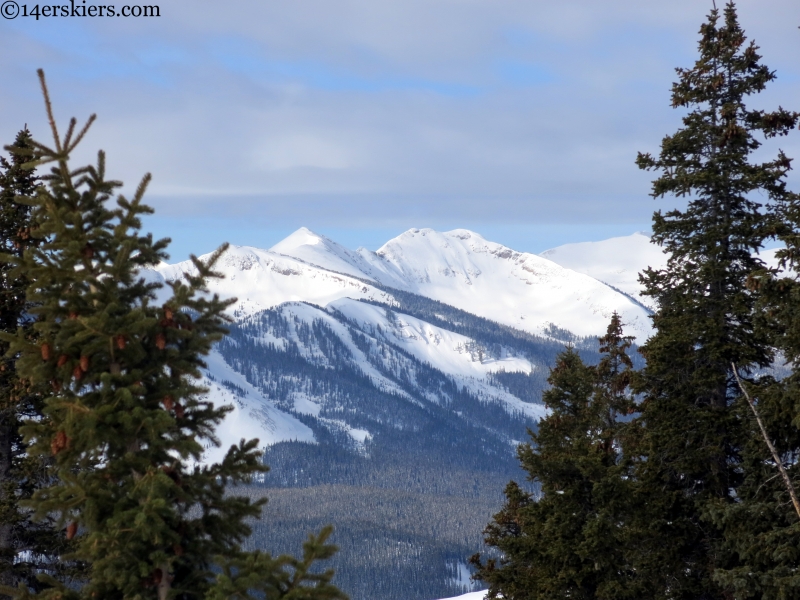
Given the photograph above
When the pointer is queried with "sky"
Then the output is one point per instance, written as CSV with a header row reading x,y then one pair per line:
x,y
518,119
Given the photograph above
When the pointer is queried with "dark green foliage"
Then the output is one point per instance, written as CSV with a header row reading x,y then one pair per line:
x,y
125,417
761,529
25,546
258,575
690,438
565,541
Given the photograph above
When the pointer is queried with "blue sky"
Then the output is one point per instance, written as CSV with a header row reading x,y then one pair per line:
x,y
519,119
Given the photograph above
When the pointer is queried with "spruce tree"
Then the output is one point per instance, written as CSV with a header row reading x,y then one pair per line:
x,y
761,529
564,541
690,435
125,417
26,546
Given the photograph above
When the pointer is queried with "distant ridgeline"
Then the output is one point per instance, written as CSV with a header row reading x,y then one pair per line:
x,y
410,460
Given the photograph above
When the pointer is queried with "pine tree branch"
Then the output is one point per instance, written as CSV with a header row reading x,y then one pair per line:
x,y
771,446
49,108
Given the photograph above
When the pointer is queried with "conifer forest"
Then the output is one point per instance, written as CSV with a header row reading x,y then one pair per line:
x,y
609,466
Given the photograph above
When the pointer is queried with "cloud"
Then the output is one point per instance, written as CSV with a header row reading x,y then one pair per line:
x,y
383,114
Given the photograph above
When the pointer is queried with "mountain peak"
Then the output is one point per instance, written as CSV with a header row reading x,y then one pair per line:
x,y
457,267
316,249
427,237
302,237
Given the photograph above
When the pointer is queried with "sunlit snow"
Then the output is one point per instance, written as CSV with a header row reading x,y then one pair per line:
x,y
253,415
312,278
459,268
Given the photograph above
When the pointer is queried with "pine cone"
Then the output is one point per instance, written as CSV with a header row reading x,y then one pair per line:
x,y
59,442
72,529
161,341
45,351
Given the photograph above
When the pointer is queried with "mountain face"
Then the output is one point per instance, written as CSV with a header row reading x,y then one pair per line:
x,y
390,389
522,290
484,318
402,432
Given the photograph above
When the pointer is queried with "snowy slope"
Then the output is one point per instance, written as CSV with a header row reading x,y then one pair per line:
x,y
618,261
319,250
522,290
253,415
448,352
262,279
470,596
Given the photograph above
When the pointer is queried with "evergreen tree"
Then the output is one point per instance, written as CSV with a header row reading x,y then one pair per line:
x,y
690,433
125,416
761,529
564,541
25,546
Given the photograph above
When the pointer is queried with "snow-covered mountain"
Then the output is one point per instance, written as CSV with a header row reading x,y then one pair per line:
x,y
310,279
262,279
522,290
458,268
408,376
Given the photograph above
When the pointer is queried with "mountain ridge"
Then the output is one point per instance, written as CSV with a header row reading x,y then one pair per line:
x,y
459,268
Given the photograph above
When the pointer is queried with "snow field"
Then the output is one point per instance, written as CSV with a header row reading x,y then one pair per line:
x,y
459,268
